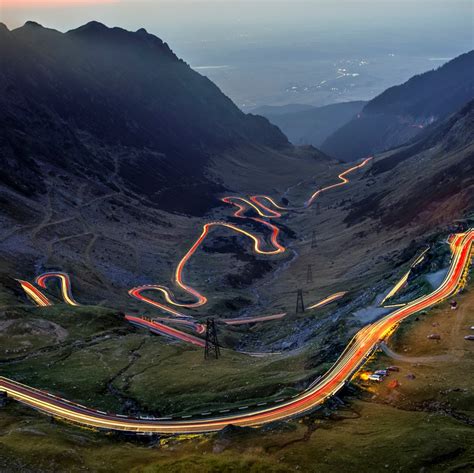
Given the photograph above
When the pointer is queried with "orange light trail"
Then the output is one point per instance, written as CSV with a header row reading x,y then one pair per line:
x,y
352,358
65,284
243,205
404,279
327,300
253,320
343,179
162,329
34,294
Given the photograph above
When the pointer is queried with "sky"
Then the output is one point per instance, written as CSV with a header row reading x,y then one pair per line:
x,y
276,51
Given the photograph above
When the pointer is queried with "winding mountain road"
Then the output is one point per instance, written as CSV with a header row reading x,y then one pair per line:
x,y
355,354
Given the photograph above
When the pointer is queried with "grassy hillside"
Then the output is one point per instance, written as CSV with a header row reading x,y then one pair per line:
x,y
423,424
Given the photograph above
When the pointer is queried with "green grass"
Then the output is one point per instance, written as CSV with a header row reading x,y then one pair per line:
x,y
102,361
178,380
392,430
365,438
162,378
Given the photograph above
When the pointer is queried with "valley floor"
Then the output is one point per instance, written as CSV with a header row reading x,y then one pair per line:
x,y
424,422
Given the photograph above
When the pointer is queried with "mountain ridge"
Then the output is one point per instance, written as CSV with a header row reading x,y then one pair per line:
x,y
130,97
401,112
311,125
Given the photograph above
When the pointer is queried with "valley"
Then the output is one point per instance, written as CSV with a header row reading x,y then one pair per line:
x,y
188,287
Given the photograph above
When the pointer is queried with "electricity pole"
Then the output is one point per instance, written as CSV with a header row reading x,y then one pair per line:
x,y
212,345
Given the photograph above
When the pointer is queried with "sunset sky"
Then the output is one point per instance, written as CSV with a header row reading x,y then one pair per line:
x,y
255,49
50,3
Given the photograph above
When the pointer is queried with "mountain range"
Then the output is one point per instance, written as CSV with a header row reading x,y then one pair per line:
x,y
402,112
114,149
308,125
98,100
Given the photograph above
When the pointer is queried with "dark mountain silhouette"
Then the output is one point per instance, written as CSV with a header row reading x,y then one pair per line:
x,y
97,99
306,125
402,112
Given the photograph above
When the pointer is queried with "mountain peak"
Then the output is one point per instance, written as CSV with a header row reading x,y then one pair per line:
x,y
91,27
3,28
32,24
99,32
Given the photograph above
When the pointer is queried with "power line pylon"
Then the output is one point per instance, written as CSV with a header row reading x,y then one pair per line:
x,y
299,302
313,240
212,345
309,274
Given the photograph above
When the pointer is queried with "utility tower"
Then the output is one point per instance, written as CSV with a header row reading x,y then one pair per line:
x,y
212,345
313,240
299,302
309,274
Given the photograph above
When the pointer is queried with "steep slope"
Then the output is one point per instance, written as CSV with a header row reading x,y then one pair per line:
x,y
114,154
402,112
96,99
311,125
427,183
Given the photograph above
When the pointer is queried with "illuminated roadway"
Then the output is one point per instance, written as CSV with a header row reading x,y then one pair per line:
x,y
355,354
243,205
174,307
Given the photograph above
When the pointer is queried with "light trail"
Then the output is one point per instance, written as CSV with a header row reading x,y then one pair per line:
x,y
65,284
404,278
243,205
253,204
34,294
253,320
353,357
327,300
189,322
343,179
162,329
178,276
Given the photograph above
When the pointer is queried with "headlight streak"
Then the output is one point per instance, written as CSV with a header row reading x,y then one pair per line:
x,y
327,300
243,205
34,294
342,371
404,279
65,284
353,357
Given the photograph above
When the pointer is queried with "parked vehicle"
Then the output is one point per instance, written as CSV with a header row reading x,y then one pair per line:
x,y
375,377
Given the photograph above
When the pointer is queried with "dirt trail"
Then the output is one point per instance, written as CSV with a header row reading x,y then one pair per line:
x,y
414,359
